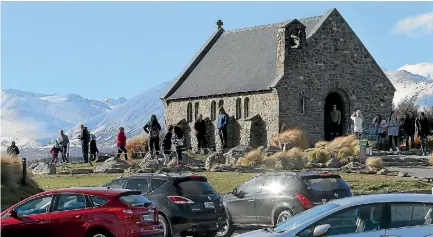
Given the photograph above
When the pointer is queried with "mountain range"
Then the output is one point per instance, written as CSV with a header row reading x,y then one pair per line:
x,y
33,119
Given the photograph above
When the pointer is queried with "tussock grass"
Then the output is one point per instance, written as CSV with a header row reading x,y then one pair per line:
x,y
294,137
345,152
340,142
292,159
321,144
322,156
357,150
374,162
254,157
137,147
172,163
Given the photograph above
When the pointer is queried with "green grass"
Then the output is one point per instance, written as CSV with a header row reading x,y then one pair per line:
x,y
195,156
224,182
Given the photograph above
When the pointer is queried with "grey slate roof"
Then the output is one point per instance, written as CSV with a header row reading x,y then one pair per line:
x,y
241,60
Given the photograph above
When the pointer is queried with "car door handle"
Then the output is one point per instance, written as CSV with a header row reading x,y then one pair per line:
x,y
79,217
251,200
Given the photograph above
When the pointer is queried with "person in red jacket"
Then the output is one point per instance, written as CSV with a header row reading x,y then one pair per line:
x,y
121,143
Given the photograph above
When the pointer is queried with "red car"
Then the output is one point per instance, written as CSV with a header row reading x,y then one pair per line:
x,y
82,212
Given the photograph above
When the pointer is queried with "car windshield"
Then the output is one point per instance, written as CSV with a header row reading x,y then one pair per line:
x,y
302,217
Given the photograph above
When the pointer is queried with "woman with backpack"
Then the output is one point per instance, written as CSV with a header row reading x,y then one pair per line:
x,y
152,128
381,131
393,129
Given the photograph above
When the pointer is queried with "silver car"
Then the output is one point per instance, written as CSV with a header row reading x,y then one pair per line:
x,y
381,215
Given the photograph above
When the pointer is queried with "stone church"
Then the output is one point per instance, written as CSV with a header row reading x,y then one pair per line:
x,y
291,72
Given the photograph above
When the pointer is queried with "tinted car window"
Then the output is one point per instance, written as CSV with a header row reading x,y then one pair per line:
x,y
135,200
119,183
326,184
138,184
196,188
156,183
405,215
252,186
67,202
98,201
275,184
37,205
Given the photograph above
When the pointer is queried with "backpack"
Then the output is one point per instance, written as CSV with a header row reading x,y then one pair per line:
x,y
153,132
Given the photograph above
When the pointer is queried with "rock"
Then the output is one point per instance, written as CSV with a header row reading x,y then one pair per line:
x,y
354,165
81,171
371,170
403,174
101,158
309,165
232,156
212,159
383,171
112,164
333,163
151,164
41,168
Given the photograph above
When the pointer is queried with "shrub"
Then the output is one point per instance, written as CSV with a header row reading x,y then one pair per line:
x,y
345,152
357,150
322,156
137,147
12,190
254,157
290,160
374,162
294,137
340,142
312,155
321,144
354,143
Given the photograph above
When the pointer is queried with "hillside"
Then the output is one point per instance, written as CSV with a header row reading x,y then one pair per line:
x,y
422,69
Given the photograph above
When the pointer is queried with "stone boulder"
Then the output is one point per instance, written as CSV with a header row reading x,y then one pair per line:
x,y
403,174
333,163
232,156
213,159
354,166
383,171
102,158
150,164
43,168
112,165
81,171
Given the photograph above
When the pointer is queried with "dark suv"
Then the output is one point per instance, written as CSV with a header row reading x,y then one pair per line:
x,y
271,198
187,203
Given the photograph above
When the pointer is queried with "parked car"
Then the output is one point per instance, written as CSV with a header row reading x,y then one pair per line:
x,y
402,215
271,198
83,212
187,203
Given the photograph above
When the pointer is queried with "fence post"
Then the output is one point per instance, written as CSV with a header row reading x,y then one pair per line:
x,y
24,161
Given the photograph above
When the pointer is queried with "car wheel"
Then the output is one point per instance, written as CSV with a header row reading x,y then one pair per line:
x,y
226,229
99,233
165,225
211,233
283,216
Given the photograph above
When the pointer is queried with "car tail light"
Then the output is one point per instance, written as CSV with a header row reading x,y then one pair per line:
x,y
326,174
180,200
123,214
304,201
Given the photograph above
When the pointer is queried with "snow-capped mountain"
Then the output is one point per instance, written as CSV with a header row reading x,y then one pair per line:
x,y
113,103
422,69
32,119
132,115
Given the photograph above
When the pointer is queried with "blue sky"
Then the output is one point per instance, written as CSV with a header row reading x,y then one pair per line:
x,y
113,49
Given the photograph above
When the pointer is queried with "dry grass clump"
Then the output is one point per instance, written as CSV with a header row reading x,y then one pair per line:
x,y
374,162
137,147
321,156
294,137
172,163
254,157
12,190
345,152
292,159
357,150
321,144
341,142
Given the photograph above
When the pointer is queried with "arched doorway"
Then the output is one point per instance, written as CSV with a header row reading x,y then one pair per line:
x,y
334,98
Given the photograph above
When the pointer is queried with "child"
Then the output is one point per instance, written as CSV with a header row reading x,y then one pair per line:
x,y
93,148
166,145
55,152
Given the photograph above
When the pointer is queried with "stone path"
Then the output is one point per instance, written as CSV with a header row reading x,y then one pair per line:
x,y
423,172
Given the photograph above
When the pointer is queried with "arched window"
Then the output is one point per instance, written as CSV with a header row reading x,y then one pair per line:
x,y
238,108
220,104
246,107
189,112
213,110
195,110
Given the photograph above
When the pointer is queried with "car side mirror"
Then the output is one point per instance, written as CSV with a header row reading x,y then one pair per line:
x,y
13,213
321,230
241,194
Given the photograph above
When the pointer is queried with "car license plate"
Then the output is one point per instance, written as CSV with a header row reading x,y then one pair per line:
x,y
209,205
148,217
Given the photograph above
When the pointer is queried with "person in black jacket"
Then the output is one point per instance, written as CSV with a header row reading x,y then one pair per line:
x,y
166,145
423,131
13,150
177,140
409,129
84,138
152,128
93,148
200,132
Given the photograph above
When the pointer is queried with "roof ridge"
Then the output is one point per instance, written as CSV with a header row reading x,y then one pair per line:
x,y
272,24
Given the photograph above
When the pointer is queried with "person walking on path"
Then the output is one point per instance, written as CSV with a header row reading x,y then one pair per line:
x,y
393,128
423,131
121,143
223,121
357,122
152,128
64,143
13,150
166,145
177,140
93,148
55,150
85,139
335,120
409,130
381,131
200,132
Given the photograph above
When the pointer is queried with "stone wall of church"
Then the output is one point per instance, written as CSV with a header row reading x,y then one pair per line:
x,y
263,103
334,60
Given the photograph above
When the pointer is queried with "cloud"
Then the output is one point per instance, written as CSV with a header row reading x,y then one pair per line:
x,y
418,25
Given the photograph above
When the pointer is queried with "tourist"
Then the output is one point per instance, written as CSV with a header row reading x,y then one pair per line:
x,y
223,120
64,143
166,145
13,150
423,131
357,121
200,132
121,143
335,116
55,152
85,139
177,140
380,130
409,130
152,128
393,129
93,148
